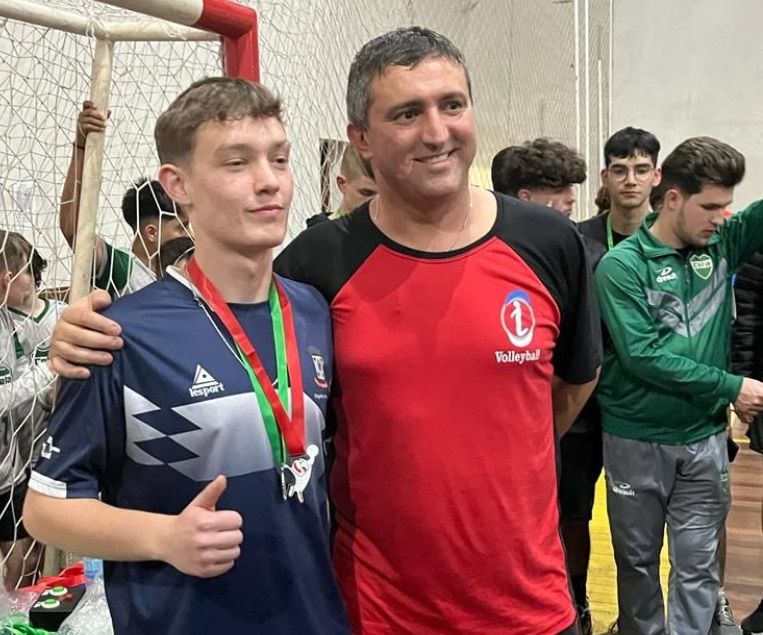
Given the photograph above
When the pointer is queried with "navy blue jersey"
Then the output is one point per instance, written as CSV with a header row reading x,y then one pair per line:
x,y
174,410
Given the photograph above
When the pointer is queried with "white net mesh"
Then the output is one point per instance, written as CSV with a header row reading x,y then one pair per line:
x,y
526,77
44,78
537,68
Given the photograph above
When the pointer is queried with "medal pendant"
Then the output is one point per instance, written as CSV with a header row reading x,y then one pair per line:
x,y
295,477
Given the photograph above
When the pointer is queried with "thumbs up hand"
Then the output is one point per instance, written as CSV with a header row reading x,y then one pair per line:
x,y
201,540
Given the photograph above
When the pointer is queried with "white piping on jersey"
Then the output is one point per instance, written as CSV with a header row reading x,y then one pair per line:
x,y
174,272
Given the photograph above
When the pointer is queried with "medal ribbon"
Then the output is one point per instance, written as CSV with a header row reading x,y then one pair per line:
x,y
610,242
279,426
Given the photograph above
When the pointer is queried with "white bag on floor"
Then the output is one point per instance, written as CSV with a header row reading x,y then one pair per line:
x,y
91,617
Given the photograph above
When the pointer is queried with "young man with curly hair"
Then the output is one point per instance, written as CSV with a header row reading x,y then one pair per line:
x,y
540,171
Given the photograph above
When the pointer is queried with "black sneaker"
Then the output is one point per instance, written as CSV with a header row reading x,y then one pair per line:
x,y
753,623
724,622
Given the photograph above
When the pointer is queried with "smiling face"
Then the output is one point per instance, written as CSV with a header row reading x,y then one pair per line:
x,y
421,136
237,185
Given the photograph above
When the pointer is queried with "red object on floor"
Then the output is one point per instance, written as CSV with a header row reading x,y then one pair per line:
x,y
69,577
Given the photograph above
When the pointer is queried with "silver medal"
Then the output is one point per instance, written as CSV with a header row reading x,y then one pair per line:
x,y
295,477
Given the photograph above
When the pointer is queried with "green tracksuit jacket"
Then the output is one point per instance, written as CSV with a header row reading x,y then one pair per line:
x,y
665,379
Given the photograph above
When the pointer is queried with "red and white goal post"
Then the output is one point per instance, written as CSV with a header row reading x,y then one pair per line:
x,y
130,56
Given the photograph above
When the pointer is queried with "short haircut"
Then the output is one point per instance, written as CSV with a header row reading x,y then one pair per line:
x,y
146,201
354,166
541,163
701,161
17,254
211,99
173,250
402,47
629,142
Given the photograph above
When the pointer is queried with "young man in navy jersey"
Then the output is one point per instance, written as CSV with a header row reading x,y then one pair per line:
x,y
192,464
464,333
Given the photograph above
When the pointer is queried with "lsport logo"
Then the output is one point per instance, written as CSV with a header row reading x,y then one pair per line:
x,y
518,318
204,384
49,448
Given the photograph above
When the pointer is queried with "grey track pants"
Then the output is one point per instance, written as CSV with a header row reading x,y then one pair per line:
x,y
686,487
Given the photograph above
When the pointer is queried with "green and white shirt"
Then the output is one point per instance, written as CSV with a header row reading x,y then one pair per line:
x,y
33,332
121,272
21,383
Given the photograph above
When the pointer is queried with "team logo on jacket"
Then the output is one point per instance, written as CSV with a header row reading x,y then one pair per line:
x,y
702,265
319,365
518,318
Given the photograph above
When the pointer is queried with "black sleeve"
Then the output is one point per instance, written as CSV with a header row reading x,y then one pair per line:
x,y
328,253
578,350
747,334
551,245
318,218
594,235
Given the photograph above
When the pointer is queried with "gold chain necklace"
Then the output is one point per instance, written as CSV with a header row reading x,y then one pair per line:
x,y
375,218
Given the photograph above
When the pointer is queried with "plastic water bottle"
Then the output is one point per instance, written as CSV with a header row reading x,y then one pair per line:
x,y
93,570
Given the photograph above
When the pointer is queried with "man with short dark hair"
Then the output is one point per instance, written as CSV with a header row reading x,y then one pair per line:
x,y
540,171
630,157
465,339
665,296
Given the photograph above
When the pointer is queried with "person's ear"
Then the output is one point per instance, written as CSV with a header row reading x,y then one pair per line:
x,y
359,139
174,180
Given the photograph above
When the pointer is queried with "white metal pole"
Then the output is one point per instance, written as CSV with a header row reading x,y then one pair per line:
x,y
100,86
576,27
185,12
610,74
586,27
600,134
115,30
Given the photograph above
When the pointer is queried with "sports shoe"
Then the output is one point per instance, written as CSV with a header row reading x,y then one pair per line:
x,y
584,615
753,623
724,622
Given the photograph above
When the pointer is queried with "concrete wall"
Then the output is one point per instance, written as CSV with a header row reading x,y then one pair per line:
x,y
693,67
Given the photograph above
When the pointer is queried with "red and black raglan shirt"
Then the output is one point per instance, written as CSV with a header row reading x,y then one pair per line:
x,y
444,482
